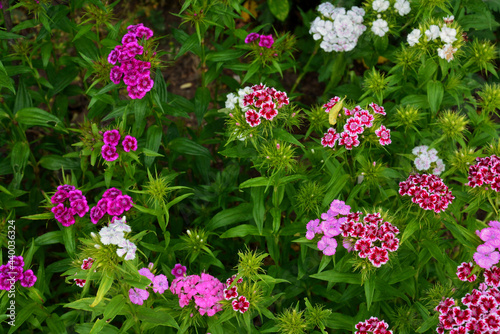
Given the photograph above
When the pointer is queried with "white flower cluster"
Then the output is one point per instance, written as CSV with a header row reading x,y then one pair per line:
x,y
380,27
446,34
233,99
426,157
337,28
114,234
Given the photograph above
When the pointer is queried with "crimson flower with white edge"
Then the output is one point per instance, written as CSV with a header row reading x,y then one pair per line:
x,y
353,126
378,256
268,110
365,118
241,304
231,293
378,109
348,141
253,118
330,137
384,134
330,104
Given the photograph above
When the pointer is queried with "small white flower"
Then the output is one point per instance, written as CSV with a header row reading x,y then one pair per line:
x,y
414,36
380,27
420,149
380,5
110,236
326,8
120,225
439,167
231,100
433,32
422,163
448,19
448,35
432,153
403,7
446,52
127,247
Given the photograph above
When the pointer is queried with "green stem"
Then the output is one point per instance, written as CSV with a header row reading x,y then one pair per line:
x,y
306,67
338,68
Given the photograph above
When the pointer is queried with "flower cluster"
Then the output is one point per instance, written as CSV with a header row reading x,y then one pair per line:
x,y
337,28
446,38
371,238
355,126
486,172
135,73
481,309
159,284
240,304
428,191
13,271
114,234
258,101
113,203
427,158
372,325
111,139
86,264
265,41
205,290
77,204
383,14
487,254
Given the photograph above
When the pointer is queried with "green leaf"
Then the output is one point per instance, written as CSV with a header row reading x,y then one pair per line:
x,y
286,136
279,8
435,92
183,145
226,55
160,316
49,238
36,117
153,141
201,101
241,231
338,277
23,98
55,162
19,156
369,291
114,307
259,208
40,216
241,213
426,71
69,239
411,228
5,80
104,286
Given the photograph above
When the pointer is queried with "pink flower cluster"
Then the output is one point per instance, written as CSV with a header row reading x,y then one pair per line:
x,y
86,264
265,41
240,304
77,204
135,73
481,313
428,191
159,284
13,271
111,139
487,254
113,203
263,102
372,325
355,126
206,291
372,238
486,172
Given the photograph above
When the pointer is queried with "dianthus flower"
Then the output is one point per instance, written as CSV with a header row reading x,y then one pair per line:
x,y
486,172
337,28
112,203
179,270
129,144
77,204
481,309
464,271
251,37
241,304
427,158
111,137
135,73
138,296
13,272
205,290
372,325
266,41
428,191
487,254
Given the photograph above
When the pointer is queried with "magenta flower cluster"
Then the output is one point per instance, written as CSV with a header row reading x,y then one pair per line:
x,y
481,312
86,265
159,284
265,41
373,325
428,191
77,204
205,290
113,203
372,238
111,139
355,126
487,254
13,271
485,173
135,73
263,102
